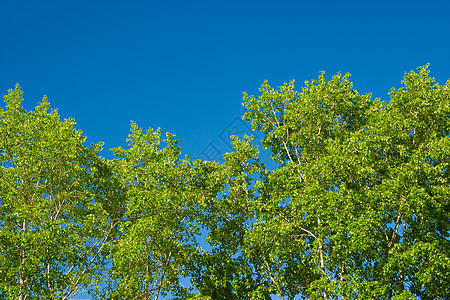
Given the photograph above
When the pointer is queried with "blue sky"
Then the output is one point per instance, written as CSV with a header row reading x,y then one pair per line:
x,y
183,65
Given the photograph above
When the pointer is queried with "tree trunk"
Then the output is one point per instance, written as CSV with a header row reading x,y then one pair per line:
x,y
322,261
22,280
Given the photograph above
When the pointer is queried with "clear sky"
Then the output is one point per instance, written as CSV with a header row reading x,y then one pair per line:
x,y
183,65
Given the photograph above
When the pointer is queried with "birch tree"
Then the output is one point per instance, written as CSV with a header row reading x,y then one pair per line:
x,y
358,206
53,221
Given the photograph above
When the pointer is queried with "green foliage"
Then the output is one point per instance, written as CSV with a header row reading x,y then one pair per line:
x,y
358,206
156,230
53,224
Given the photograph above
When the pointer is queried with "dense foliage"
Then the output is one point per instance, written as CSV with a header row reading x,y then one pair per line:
x,y
358,206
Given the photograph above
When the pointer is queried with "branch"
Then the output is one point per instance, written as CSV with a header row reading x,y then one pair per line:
x,y
162,276
397,224
273,279
224,213
322,262
75,284
299,227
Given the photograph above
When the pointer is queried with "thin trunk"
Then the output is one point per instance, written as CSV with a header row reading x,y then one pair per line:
x,y
394,233
341,272
22,280
147,292
162,276
48,275
74,286
322,261
402,275
281,295
390,244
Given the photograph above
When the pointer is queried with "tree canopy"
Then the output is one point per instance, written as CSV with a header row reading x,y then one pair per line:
x,y
358,206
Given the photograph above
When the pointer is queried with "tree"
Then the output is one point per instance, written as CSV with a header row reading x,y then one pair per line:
x,y
358,206
55,215
157,228
228,210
